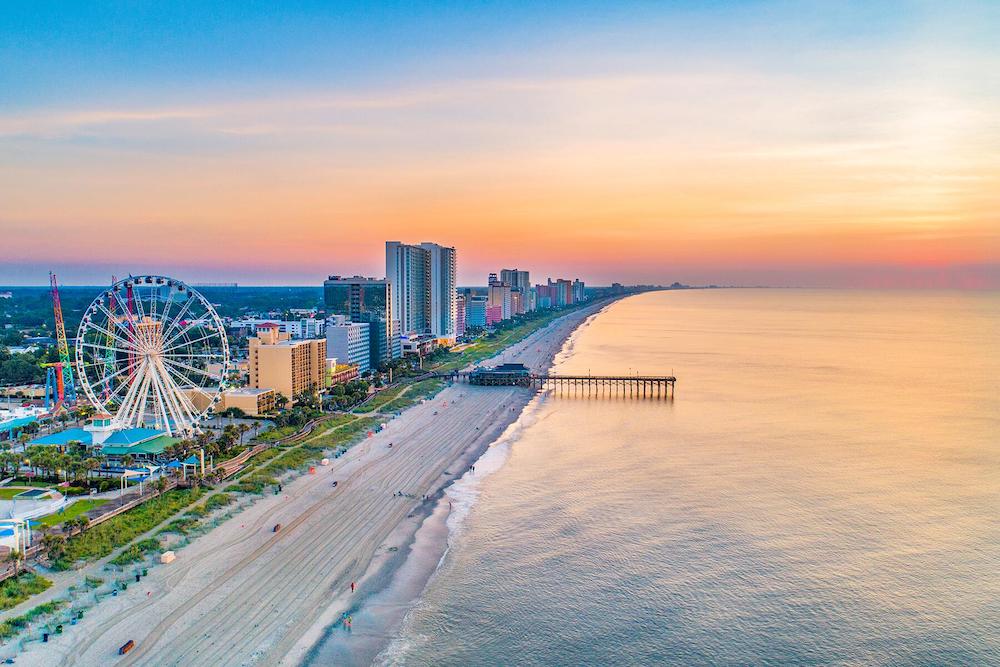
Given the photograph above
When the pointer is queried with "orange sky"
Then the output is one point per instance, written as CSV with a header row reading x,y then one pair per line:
x,y
631,167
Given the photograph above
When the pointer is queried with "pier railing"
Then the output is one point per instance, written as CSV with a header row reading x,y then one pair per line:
x,y
629,386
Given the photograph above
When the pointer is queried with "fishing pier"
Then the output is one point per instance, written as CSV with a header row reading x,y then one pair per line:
x,y
518,375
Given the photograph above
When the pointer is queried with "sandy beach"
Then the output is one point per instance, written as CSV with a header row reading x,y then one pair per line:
x,y
245,595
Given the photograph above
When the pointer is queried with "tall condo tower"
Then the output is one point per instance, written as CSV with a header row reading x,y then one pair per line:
x,y
443,294
423,282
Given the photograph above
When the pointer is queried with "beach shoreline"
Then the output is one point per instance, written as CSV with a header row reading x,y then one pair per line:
x,y
392,586
243,594
393,583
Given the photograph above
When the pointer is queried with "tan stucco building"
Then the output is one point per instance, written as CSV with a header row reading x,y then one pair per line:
x,y
254,402
287,366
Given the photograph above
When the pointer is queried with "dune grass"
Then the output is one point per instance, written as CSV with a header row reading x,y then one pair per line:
x,y
17,589
101,540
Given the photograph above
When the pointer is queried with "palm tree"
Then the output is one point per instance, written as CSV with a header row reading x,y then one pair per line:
x,y
55,545
203,439
63,462
128,460
9,461
243,428
92,463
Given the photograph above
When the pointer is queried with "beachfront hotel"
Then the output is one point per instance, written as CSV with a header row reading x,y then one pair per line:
x,y
423,279
522,300
366,300
288,366
348,341
499,296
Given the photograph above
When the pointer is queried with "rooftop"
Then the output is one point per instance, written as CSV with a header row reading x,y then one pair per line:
x,y
292,342
131,436
153,446
128,437
64,437
246,391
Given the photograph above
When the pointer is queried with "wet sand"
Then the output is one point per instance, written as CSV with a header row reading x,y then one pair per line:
x,y
243,595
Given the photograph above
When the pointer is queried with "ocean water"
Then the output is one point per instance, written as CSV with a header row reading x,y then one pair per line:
x,y
824,489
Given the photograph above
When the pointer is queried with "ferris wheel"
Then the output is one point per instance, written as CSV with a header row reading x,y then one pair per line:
x,y
152,352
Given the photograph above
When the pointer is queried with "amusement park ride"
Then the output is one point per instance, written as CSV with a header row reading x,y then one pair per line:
x,y
150,352
153,353
59,385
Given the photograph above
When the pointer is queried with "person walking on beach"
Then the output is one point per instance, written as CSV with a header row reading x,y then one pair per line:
x,y
353,586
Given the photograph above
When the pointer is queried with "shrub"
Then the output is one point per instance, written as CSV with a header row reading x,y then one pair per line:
x,y
120,530
254,484
218,500
136,552
181,525
17,589
12,626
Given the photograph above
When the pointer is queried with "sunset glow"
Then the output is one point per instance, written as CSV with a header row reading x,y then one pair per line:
x,y
855,147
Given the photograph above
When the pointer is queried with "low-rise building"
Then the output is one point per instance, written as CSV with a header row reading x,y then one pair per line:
x,y
24,391
340,373
252,401
420,345
104,435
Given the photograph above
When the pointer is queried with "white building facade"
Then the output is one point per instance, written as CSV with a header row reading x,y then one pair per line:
x,y
348,341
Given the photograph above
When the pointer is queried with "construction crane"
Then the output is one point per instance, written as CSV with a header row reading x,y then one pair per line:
x,y
67,389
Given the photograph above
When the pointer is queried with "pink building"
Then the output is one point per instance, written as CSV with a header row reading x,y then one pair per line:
x,y
494,314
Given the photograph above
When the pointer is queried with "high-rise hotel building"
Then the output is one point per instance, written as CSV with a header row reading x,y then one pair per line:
x,y
499,295
287,366
366,300
423,280
520,285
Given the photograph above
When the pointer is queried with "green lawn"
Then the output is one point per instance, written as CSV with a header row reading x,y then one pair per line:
x,y
6,493
71,512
